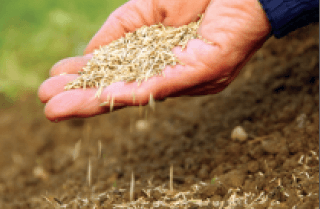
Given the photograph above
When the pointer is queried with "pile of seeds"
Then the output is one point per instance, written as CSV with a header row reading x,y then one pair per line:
x,y
135,57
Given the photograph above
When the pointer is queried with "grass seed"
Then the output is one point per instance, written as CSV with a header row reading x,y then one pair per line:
x,y
135,57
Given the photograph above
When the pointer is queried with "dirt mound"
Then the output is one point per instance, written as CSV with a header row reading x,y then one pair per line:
x,y
89,163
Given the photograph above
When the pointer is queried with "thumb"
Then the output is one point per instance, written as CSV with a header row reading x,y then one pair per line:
x,y
130,16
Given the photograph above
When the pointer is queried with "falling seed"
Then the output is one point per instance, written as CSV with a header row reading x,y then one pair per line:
x,y
142,125
76,151
132,187
99,148
133,98
104,104
98,93
152,102
89,173
111,104
40,172
171,178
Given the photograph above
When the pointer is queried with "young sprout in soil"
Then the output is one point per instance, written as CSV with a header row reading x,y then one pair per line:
x,y
136,56
213,180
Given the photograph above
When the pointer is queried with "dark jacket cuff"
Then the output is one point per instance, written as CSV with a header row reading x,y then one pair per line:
x,y
288,15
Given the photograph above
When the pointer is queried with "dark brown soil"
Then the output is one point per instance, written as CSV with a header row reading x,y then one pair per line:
x,y
275,100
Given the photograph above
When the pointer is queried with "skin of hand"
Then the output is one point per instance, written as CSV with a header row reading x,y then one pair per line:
x,y
236,30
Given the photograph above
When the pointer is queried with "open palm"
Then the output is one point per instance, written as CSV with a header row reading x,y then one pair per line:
x,y
236,29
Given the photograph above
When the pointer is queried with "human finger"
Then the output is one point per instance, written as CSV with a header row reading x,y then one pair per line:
x,y
53,86
71,65
127,18
76,103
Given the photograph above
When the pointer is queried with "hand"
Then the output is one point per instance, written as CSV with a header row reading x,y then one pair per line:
x,y
237,29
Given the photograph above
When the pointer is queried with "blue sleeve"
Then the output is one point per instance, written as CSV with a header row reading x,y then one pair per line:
x,y
288,15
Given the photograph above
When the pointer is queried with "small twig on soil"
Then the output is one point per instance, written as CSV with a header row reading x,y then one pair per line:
x,y
300,160
258,139
58,201
47,199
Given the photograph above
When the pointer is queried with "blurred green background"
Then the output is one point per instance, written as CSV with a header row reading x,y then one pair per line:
x,y
35,34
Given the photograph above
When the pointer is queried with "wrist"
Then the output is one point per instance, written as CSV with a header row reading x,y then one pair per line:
x,y
264,17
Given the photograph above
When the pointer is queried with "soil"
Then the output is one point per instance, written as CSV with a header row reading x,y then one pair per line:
x,y
89,163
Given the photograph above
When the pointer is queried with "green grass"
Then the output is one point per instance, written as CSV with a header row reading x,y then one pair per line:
x,y
36,34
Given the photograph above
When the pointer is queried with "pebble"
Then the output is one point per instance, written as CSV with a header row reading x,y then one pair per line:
x,y
238,133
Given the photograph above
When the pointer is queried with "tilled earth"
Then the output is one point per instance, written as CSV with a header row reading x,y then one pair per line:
x,y
89,163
